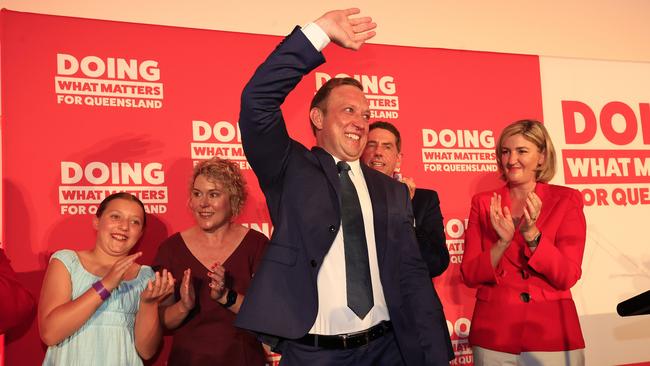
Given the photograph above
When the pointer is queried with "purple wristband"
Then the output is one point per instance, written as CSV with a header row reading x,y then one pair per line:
x,y
101,290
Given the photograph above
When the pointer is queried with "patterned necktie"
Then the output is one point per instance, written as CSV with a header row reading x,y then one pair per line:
x,y
357,268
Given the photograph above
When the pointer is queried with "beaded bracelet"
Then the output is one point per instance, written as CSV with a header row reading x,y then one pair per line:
x,y
101,290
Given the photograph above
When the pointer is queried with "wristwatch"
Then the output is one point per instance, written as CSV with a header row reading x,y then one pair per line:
x,y
231,298
535,241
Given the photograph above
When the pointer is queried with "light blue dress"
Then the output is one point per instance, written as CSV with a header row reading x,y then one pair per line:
x,y
107,338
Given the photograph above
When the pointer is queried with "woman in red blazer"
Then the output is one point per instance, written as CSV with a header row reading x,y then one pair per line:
x,y
523,251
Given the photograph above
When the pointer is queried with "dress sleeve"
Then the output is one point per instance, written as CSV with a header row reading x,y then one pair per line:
x,y
258,254
163,256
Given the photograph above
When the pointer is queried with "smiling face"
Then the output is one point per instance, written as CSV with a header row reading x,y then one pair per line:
x,y
520,160
119,227
381,151
342,129
210,204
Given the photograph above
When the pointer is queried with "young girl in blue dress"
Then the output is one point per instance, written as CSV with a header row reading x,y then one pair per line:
x,y
98,306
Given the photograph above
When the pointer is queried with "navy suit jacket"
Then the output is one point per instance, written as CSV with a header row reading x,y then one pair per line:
x,y
430,231
301,187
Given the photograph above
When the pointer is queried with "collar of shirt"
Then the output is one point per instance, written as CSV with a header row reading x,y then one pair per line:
x,y
355,166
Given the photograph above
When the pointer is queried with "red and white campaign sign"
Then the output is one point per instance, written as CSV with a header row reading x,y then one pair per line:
x,y
93,107
598,114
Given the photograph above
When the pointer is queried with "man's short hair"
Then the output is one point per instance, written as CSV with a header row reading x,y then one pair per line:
x,y
390,128
320,98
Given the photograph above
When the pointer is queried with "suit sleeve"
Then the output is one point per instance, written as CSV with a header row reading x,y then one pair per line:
x,y
16,304
476,267
559,258
431,236
419,295
265,139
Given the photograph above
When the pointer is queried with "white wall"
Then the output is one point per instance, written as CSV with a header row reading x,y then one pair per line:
x,y
595,29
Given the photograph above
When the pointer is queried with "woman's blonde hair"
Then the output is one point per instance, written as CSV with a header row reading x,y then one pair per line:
x,y
226,173
535,132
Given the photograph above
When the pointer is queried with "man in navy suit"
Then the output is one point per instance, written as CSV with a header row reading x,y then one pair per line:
x,y
297,301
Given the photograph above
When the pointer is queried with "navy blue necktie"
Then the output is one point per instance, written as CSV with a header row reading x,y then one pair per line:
x,y
357,267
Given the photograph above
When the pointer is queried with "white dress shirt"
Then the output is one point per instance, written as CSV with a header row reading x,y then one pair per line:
x,y
334,316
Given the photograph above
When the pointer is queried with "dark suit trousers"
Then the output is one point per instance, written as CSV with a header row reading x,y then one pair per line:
x,y
380,352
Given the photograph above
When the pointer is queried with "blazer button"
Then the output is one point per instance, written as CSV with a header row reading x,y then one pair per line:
x,y
525,296
313,263
332,229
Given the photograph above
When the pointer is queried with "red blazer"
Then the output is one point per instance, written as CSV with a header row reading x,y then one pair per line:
x,y
525,304
16,303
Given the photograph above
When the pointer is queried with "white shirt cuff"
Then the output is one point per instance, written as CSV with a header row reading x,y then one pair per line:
x,y
316,36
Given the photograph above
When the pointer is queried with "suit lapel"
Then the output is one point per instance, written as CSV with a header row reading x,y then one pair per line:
x,y
329,168
379,210
375,189
548,201
330,195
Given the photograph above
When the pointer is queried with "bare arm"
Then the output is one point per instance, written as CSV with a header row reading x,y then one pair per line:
x,y
58,315
218,289
173,313
235,307
148,331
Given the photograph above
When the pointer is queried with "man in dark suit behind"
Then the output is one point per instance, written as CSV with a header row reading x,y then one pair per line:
x,y
297,300
383,153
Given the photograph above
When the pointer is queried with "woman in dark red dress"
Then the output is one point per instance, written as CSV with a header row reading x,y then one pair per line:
x,y
216,259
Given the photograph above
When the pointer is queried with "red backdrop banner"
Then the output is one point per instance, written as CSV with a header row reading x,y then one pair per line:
x,y
91,107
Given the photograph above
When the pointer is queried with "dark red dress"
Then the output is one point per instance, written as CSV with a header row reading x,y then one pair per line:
x,y
207,336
